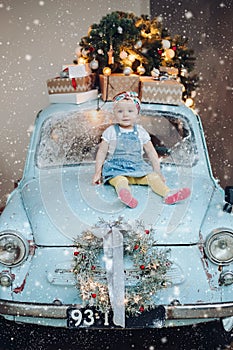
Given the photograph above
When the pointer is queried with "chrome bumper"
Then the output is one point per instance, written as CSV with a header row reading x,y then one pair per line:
x,y
177,312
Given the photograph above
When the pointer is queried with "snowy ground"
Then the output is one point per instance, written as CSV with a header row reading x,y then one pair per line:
x,y
202,337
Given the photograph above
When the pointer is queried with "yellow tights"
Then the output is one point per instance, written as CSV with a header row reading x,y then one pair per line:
x,y
153,180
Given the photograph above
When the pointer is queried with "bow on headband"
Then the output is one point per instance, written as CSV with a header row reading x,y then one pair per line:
x,y
128,95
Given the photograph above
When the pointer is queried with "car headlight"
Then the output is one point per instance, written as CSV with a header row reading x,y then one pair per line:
x,y
13,248
219,247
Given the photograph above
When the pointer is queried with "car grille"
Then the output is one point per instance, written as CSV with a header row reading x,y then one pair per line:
x,y
63,275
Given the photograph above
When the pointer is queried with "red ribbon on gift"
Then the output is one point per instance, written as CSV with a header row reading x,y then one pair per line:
x,y
74,84
73,80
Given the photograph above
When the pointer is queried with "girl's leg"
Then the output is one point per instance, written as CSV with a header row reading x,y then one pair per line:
x,y
157,184
121,185
159,187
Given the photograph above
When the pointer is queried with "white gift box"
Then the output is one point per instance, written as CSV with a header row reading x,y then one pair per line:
x,y
76,98
78,70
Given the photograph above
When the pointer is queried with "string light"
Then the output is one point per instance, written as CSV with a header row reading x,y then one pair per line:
x,y
107,71
120,42
189,102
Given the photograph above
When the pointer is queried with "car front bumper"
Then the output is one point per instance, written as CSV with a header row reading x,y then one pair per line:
x,y
177,312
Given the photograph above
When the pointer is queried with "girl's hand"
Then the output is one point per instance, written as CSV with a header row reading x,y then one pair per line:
x,y
96,179
100,158
162,177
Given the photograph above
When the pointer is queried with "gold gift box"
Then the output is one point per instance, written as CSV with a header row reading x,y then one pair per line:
x,y
169,70
71,85
115,83
164,91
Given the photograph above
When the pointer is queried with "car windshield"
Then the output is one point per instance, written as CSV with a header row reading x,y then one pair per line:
x,y
72,138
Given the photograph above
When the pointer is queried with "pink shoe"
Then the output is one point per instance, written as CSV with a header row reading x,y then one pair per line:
x,y
126,198
178,196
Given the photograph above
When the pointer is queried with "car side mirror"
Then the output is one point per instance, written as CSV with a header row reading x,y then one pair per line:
x,y
228,199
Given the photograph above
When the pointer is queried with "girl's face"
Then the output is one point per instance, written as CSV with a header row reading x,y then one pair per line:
x,y
126,113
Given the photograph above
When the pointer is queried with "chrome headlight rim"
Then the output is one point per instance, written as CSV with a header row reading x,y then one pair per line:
x,y
23,246
214,235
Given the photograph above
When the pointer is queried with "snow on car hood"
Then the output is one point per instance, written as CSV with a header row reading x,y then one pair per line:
x,y
62,203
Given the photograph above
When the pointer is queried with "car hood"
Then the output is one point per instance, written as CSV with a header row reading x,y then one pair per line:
x,y
62,203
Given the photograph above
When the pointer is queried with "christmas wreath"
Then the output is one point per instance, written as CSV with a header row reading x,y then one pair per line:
x,y
146,275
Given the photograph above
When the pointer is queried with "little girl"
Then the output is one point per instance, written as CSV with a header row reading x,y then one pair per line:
x,y
119,160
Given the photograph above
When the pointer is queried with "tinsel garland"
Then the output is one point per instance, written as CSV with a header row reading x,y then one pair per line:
x,y
149,270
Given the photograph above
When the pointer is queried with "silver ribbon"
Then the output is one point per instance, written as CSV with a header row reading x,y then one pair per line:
x,y
114,264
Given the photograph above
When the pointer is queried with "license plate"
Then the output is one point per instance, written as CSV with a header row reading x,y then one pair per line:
x,y
88,317
91,318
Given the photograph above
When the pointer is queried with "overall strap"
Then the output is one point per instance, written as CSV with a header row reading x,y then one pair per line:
x,y
117,129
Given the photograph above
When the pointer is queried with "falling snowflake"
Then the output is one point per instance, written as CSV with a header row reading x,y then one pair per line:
x,y
36,22
28,57
222,5
188,14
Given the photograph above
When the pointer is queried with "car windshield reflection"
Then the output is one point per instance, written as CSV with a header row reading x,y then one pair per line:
x,y
73,138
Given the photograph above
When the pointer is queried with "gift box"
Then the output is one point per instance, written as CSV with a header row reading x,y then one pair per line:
x,y
71,85
77,70
115,83
165,91
76,98
169,70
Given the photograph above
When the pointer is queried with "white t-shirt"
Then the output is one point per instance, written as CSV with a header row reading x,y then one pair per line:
x,y
109,135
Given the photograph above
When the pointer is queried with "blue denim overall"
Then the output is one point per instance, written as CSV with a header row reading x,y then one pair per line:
x,y
127,158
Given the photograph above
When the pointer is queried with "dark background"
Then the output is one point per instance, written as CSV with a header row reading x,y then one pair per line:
x,y
208,336
208,26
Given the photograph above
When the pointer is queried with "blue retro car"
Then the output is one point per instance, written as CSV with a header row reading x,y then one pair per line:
x,y
72,255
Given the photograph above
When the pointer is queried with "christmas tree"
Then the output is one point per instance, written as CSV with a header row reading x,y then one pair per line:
x,y
128,44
